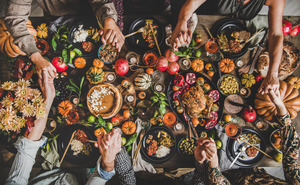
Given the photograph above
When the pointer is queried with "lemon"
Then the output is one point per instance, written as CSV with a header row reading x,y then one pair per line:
x,y
123,141
219,144
278,157
227,118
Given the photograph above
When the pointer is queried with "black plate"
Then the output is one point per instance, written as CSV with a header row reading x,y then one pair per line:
x,y
227,26
233,147
86,25
64,138
170,93
142,46
154,131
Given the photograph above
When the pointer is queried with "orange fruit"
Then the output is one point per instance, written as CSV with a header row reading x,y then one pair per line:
x,y
227,118
208,66
210,73
175,88
153,121
176,103
126,114
98,131
200,81
98,63
202,123
195,121
149,71
179,109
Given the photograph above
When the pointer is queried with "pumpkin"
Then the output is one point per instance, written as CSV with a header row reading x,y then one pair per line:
x,y
267,108
6,40
98,63
95,75
226,65
294,81
80,62
129,127
142,81
197,65
64,107
72,117
42,31
248,80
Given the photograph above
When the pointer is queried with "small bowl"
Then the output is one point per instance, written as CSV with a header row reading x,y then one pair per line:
x,y
107,62
278,150
178,147
150,55
222,78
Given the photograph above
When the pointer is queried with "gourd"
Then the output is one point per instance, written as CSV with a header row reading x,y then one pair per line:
x,y
248,80
64,107
129,127
95,75
142,81
42,31
6,40
267,108
197,65
98,63
294,81
80,62
226,65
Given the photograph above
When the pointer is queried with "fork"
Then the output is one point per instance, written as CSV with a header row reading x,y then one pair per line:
x,y
142,29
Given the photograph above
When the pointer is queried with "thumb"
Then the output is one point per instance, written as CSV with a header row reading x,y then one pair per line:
x,y
101,32
203,157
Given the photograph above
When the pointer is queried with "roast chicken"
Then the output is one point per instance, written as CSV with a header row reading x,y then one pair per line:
x,y
197,104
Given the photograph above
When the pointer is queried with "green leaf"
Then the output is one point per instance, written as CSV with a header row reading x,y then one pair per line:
x,y
70,46
129,148
131,139
81,83
54,44
154,99
62,28
77,51
57,36
101,121
73,84
72,89
162,110
155,113
65,55
164,103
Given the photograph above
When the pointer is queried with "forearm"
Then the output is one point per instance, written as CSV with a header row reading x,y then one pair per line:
x,y
124,169
201,173
104,9
214,173
188,9
275,52
17,13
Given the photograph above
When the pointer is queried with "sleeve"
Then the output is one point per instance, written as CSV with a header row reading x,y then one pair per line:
x,y
124,168
290,151
104,9
16,16
200,175
215,177
24,160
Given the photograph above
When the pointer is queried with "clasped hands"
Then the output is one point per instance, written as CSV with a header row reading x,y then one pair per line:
x,y
206,150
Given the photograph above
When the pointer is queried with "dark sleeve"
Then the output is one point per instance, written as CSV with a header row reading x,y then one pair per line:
x,y
201,173
16,16
104,9
216,177
124,168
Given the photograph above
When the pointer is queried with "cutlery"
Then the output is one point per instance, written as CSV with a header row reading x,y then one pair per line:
x,y
155,39
142,29
238,155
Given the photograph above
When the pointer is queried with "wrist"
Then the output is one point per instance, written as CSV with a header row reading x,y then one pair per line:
x,y
36,57
107,165
109,21
214,163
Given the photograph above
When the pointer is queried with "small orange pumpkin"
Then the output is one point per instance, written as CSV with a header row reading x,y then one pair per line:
x,y
129,127
64,107
80,62
98,63
226,65
197,65
72,117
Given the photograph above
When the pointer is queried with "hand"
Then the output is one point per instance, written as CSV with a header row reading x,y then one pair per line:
x,y
111,34
277,100
270,82
181,35
109,146
41,64
206,150
47,86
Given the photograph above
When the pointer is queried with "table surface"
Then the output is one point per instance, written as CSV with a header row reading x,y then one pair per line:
x,y
176,161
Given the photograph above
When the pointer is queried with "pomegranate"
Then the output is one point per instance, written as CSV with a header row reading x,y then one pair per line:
x,y
286,27
121,66
162,63
249,114
178,80
173,68
59,64
258,78
171,56
295,30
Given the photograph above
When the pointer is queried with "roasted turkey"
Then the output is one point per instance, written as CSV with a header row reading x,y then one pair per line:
x,y
197,104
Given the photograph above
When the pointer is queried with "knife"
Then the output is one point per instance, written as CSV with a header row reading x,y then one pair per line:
x,y
237,104
261,46
238,155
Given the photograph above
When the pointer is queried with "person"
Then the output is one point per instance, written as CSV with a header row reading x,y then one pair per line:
x,y
113,160
246,10
206,151
18,11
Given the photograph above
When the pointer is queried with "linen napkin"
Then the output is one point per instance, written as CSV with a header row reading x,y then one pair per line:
x,y
51,156
140,164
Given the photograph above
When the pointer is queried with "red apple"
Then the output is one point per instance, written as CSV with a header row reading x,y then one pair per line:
x,y
286,27
295,30
59,64
162,63
249,114
173,68
171,56
121,66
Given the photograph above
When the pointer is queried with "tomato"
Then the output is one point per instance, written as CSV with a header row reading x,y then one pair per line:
x,y
214,94
179,109
210,124
115,121
178,80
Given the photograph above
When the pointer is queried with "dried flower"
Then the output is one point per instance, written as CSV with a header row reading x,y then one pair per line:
x,y
37,100
28,110
6,101
40,112
9,86
34,93
19,103
23,92
23,83
7,115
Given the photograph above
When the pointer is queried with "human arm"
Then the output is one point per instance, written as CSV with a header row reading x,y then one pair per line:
x,y
275,45
181,34
16,16
107,15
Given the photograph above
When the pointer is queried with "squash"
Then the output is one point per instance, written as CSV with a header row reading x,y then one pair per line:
x,y
6,40
142,81
42,31
248,80
129,127
294,81
267,108
226,65
80,62
95,75
64,107
98,63
197,65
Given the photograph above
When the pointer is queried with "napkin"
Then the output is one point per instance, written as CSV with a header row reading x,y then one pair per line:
x,y
51,156
223,158
140,164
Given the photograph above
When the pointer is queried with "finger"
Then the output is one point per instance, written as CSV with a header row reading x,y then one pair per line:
x,y
39,73
101,32
45,77
96,145
177,42
181,39
203,157
111,38
103,145
107,35
184,37
190,33
204,141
